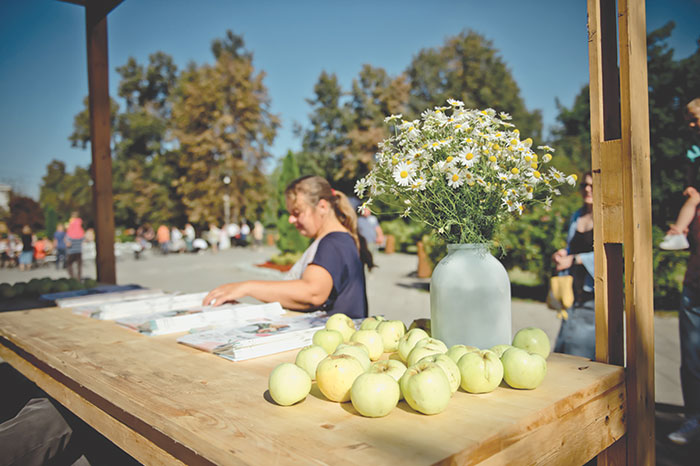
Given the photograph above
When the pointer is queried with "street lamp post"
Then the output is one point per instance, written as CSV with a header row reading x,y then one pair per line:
x,y
227,201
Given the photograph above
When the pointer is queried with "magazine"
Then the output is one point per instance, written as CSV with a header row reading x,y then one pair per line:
x,y
260,338
97,299
181,320
118,310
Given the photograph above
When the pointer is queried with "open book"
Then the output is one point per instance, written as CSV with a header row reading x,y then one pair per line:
x,y
181,320
259,338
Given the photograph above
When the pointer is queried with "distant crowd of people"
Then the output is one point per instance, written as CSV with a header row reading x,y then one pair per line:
x,y
29,249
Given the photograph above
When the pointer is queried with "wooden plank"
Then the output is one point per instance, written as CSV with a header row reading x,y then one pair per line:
x,y
131,442
221,412
637,214
99,102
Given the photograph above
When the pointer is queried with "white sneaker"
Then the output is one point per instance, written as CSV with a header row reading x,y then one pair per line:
x,y
674,243
686,433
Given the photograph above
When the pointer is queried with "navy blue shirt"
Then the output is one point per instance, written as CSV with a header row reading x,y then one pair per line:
x,y
60,237
338,254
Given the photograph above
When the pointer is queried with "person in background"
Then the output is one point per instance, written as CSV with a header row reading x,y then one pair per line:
x,y
40,246
675,239
74,243
233,231
190,235
225,239
59,244
245,231
177,244
27,254
163,236
689,312
258,233
368,226
4,247
577,332
213,237
330,276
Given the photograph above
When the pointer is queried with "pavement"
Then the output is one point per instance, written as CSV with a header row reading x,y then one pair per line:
x,y
392,290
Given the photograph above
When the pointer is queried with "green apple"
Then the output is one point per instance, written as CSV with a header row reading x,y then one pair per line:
x,y
533,340
481,371
391,332
423,348
422,324
409,340
341,323
335,375
457,351
356,350
500,349
288,384
372,340
426,388
374,394
522,369
327,339
309,357
370,323
447,365
392,367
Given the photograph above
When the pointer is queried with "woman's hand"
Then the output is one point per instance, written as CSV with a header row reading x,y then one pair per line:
x,y
225,294
563,262
692,194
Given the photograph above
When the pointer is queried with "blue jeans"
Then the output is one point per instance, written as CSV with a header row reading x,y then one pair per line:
x,y
577,333
689,330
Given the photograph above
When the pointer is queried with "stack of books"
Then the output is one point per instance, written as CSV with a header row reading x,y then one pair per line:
x,y
262,337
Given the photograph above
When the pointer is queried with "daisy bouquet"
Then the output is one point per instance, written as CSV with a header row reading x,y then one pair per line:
x,y
462,172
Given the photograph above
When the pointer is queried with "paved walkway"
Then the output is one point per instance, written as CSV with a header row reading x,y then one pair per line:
x,y
392,288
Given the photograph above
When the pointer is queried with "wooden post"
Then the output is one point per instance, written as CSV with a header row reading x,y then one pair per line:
x,y
98,72
622,190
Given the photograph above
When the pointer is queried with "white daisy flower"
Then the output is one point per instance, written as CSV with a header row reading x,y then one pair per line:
x,y
556,174
519,208
534,177
406,212
469,156
546,158
509,204
469,178
361,186
455,179
392,118
403,174
546,148
571,179
455,103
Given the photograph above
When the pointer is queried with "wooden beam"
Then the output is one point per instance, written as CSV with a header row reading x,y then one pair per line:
x,y
98,83
639,302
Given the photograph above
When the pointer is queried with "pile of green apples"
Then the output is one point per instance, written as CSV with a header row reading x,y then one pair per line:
x,y
348,365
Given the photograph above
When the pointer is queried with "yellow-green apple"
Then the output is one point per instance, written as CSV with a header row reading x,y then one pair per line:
x,y
335,375
409,340
374,394
370,323
372,340
423,348
309,357
288,384
358,351
522,369
327,339
341,323
391,331
426,388
532,340
390,367
481,371
500,349
422,324
457,351
447,365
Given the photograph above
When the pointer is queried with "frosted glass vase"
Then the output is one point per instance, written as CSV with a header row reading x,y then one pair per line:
x,y
470,298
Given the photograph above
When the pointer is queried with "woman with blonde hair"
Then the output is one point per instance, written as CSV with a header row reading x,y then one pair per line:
x,y
330,275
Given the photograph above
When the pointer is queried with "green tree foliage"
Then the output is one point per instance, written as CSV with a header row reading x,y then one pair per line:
x,y
468,68
222,123
290,240
50,221
572,135
65,192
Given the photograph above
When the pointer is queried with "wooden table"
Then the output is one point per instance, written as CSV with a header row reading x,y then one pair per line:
x,y
165,403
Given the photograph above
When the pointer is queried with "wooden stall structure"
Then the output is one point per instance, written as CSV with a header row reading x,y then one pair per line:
x,y
622,213
168,404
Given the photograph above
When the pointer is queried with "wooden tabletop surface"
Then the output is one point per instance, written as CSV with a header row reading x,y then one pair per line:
x,y
164,402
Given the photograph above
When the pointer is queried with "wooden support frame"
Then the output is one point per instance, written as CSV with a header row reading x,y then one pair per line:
x,y
622,191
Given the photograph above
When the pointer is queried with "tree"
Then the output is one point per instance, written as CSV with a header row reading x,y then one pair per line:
x,y
468,68
290,240
65,192
25,211
572,136
222,125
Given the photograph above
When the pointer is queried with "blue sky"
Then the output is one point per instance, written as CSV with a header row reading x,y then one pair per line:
x,y
43,71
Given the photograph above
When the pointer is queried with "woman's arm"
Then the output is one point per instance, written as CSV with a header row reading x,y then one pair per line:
x,y
312,290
